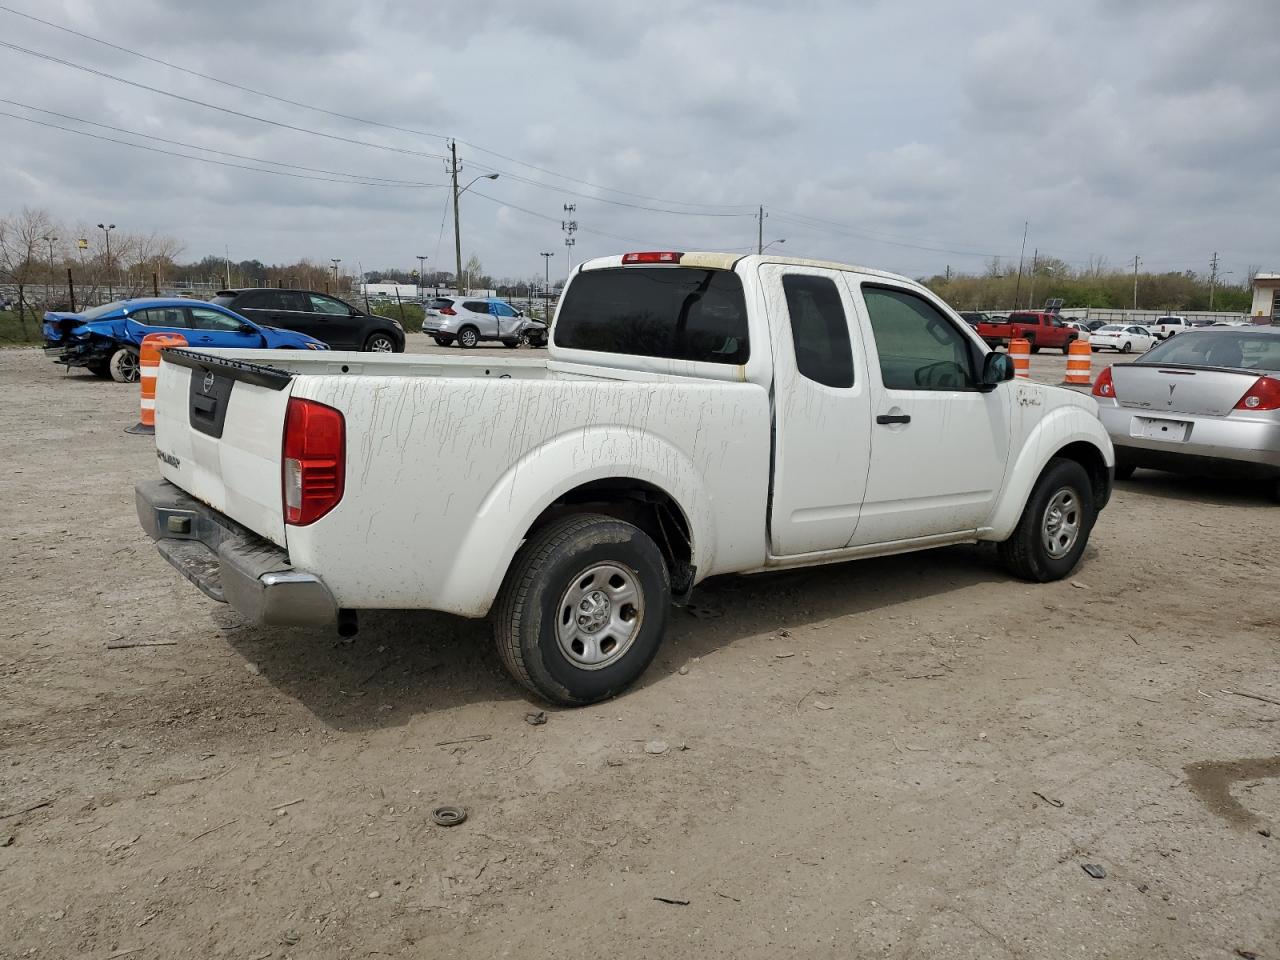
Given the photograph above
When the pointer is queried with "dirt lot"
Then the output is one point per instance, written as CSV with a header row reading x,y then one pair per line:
x,y
902,758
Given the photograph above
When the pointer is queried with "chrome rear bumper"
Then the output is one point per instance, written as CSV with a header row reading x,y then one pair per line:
x,y
229,563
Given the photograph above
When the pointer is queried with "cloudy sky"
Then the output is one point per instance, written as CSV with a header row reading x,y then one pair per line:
x,y
907,135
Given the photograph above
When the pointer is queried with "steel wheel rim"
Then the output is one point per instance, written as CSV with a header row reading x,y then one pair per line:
x,y
599,615
381,345
1061,526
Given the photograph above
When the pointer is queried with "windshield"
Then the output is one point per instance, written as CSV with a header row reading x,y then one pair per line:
x,y
1238,349
678,313
97,313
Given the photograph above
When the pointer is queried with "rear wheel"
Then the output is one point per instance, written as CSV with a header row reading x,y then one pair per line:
x,y
123,365
443,341
1275,490
468,337
380,343
583,609
1127,348
1054,528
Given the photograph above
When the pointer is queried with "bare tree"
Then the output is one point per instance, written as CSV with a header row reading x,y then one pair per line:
x,y
20,261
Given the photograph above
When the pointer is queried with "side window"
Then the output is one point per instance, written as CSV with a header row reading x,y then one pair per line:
x,y
476,306
255,301
172,317
502,310
293,300
327,305
203,318
819,329
919,348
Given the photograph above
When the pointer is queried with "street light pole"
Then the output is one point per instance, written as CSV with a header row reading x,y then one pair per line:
x,y
457,229
422,273
546,287
47,295
106,232
771,243
335,261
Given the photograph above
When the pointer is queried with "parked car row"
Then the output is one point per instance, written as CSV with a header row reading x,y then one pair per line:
x,y
105,340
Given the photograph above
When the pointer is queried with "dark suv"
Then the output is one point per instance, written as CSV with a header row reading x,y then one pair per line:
x,y
318,315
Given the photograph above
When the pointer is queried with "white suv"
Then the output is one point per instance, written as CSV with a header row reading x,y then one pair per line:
x,y
470,320
1166,327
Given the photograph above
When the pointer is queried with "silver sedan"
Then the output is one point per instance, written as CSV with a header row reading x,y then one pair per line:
x,y
1206,401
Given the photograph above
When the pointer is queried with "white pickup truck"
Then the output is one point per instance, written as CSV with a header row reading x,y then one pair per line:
x,y
699,414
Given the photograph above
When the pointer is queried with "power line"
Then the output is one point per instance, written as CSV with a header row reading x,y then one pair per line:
x,y
213,79
221,163
214,106
543,216
831,226
238,156
346,116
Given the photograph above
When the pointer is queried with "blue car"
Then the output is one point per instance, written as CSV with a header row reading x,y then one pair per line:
x,y
106,339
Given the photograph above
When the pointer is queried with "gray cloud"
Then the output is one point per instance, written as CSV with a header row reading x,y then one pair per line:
x,y
1114,127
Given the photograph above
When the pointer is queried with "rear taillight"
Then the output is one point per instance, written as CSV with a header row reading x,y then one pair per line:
x,y
652,256
1103,386
314,461
1263,395
449,311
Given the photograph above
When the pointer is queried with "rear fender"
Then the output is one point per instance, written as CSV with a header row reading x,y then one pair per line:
x,y
1058,428
546,474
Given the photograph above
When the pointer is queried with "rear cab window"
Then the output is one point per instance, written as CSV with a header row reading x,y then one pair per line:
x,y
675,313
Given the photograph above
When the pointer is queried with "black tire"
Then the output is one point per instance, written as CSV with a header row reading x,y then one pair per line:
x,y
1124,468
443,341
1066,347
123,365
537,342
102,370
1025,554
1127,348
380,342
468,337
547,569
511,344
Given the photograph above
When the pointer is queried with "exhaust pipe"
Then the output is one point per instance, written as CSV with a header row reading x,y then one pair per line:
x,y
348,624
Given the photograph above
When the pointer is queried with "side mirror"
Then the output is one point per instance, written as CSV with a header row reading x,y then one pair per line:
x,y
997,368
519,313
247,328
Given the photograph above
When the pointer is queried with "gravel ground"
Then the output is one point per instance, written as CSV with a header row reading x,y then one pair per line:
x,y
911,757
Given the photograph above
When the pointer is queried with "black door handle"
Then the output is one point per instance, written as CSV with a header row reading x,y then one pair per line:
x,y
887,418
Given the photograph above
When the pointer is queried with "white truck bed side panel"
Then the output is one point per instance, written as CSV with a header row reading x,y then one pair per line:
x,y
444,476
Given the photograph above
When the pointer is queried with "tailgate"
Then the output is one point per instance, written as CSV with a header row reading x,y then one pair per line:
x,y
219,429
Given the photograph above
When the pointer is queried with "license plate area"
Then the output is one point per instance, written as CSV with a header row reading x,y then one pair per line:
x,y
1155,428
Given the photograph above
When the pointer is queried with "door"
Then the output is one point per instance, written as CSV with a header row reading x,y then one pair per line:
x,y
480,316
213,328
505,318
822,411
939,444
332,318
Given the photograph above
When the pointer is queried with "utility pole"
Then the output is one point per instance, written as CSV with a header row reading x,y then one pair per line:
x,y
760,230
106,229
457,229
422,273
1136,261
1212,278
335,261
1017,290
226,256
546,287
1031,293
569,227
47,295
948,272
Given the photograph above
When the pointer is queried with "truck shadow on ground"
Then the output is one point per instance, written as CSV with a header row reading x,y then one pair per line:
x,y
404,664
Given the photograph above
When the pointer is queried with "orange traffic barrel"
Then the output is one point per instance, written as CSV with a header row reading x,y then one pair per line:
x,y
1020,354
1079,360
148,368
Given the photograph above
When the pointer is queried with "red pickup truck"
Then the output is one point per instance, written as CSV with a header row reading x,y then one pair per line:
x,y
1042,329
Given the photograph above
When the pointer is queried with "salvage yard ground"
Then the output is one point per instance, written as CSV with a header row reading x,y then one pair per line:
x,y
912,757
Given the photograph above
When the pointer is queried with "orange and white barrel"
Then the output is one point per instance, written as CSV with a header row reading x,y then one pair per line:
x,y
1079,362
148,368
1020,354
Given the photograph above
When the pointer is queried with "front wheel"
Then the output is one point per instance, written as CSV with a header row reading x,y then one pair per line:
x,y
511,344
123,365
1054,528
379,343
583,609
